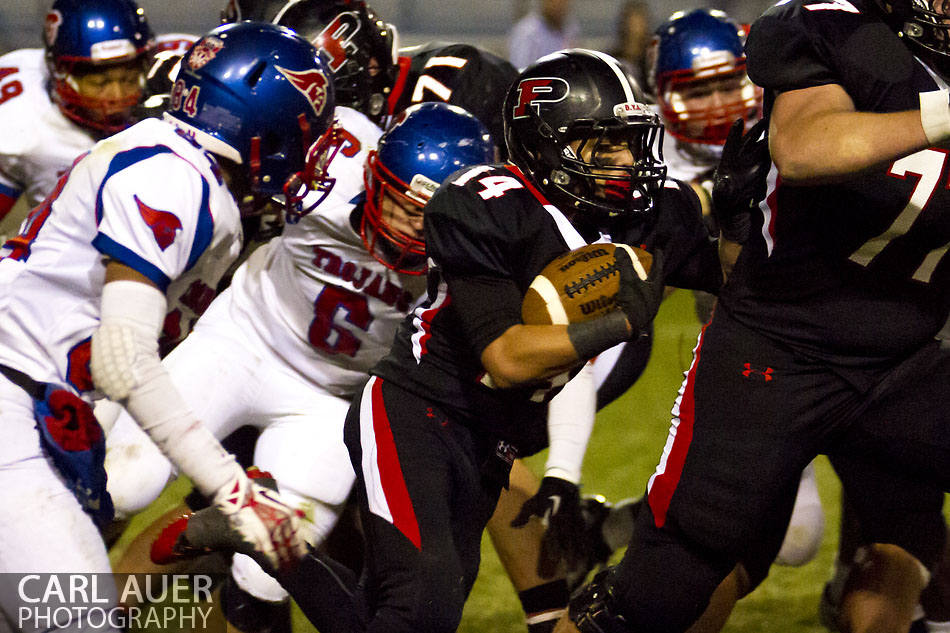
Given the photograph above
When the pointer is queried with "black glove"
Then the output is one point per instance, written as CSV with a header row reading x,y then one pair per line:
x,y
638,299
740,179
557,504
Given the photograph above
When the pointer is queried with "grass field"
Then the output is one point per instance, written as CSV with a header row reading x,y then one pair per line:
x,y
623,453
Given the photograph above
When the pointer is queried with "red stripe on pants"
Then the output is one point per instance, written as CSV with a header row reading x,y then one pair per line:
x,y
390,472
664,484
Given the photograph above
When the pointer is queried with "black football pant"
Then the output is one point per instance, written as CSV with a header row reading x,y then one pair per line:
x,y
424,504
751,415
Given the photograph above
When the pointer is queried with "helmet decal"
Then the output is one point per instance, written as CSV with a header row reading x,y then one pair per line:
x,y
54,20
204,51
336,40
537,90
311,84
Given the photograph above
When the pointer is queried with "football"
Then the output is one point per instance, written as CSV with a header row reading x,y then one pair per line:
x,y
580,285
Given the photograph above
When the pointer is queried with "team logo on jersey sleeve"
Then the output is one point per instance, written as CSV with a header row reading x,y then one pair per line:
x,y
164,225
310,83
538,90
204,51
54,19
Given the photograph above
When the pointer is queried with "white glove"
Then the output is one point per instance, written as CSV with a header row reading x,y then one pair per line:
x,y
263,520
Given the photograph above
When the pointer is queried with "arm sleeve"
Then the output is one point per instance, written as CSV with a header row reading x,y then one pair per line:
x,y
571,416
126,367
151,227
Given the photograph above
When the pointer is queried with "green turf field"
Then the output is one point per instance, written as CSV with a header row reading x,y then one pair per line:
x,y
624,449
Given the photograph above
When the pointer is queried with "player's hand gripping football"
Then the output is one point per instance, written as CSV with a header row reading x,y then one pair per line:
x,y
248,517
639,299
557,504
741,178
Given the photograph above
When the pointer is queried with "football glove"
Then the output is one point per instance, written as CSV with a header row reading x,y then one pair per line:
x,y
740,180
248,516
557,505
639,299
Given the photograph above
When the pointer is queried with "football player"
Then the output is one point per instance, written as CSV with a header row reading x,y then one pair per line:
x,y
466,386
373,76
57,101
85,287
823,337
287,345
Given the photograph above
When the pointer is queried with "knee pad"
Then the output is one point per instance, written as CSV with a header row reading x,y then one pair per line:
x,y
591,608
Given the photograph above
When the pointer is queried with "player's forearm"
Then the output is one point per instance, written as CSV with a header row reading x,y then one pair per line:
x,y
816,135
126,368
526,354
728,254
835,145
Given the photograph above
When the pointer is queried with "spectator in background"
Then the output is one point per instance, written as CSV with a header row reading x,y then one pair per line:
x,y
633,33
550,28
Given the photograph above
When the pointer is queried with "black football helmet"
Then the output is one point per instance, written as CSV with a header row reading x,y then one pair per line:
x,y
360,49
924,26
577,124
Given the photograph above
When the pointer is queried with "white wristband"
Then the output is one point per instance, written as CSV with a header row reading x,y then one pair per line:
x,y
935,115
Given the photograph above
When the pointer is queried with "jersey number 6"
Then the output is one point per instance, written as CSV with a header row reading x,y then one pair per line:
x,y
327,335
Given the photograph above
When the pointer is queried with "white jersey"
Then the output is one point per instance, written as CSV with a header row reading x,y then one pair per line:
x,y
314,295
181,230
37,142
682,165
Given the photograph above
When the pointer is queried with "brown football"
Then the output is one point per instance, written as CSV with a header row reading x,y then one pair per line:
x,y
580,285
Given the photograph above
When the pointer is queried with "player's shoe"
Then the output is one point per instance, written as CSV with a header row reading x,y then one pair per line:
x,y
608,528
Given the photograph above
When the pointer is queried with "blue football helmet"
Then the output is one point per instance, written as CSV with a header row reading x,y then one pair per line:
x,y
87,36
698,73
425,144
259,95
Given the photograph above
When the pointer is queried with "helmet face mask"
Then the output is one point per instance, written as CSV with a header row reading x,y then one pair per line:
x,y
612,166
576,123
391,226
924,25
96,52
698,72
425,144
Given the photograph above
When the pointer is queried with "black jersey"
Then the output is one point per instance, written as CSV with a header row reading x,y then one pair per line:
x,y
489,233
460,74
854,272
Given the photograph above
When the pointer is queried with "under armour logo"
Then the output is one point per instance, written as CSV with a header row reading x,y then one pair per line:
x,y
766,375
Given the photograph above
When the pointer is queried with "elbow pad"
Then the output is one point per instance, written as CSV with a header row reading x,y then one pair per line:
x,y
125,346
